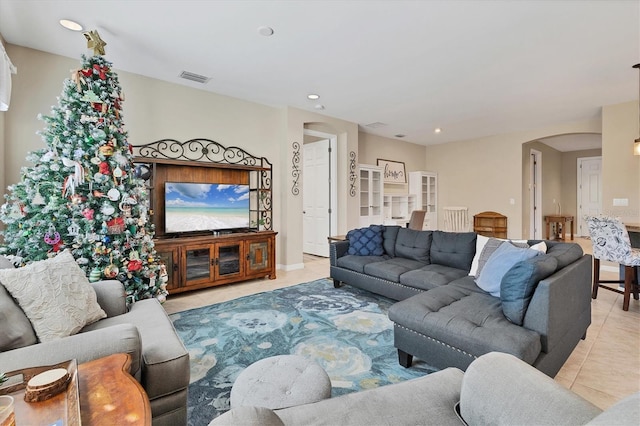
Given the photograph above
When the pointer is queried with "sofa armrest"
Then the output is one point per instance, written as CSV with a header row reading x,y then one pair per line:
x,y
84,347
500,389
559,301
111,297
337,249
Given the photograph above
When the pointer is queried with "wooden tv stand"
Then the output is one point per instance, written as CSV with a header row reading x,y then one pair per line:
x,y
196,262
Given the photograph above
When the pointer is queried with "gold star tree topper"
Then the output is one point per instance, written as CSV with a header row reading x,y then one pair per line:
x,y
95,42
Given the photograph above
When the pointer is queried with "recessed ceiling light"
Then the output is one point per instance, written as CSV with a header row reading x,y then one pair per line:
x,y
313,96
71,25
437,130
399,135
265,31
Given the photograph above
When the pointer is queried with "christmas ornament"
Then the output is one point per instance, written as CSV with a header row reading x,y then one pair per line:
x,y
38,200
104,168
52,237
106,150
88,213
90,96
107,209
95,275
113,194
111,271
73,229
115,225
142,171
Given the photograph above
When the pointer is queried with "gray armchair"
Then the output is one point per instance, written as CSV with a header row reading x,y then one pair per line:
x,y
160,361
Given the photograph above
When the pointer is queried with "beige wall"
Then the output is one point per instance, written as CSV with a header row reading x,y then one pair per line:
x,y
486,173
620,168
372,147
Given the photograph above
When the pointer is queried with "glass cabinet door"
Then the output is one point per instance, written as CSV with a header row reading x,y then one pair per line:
x,y
228,260
197,263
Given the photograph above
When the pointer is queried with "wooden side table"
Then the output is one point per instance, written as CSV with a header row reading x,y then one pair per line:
x,y
563,219
107,393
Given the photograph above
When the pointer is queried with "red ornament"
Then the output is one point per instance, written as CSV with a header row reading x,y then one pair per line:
x,y
134,265
86,73
104,168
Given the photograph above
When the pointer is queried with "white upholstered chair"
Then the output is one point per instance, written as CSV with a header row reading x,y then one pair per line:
x,y
610,241
456,219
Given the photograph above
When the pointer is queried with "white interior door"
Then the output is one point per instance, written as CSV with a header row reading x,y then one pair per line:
x,y
589,191
316,197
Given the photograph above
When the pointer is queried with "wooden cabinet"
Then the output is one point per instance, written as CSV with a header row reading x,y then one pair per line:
x,y
371,191
206,261
490,224
424,185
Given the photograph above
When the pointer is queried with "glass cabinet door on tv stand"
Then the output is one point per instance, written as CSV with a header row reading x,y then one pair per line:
x,y
227,260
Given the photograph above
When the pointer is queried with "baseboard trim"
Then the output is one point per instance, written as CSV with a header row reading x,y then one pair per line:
x,y
609,268
293,267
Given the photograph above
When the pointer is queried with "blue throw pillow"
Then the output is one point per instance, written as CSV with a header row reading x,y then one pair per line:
x,y
499,263
366,241
520,282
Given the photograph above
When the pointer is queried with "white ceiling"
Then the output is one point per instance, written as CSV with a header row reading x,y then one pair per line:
x,y
474,68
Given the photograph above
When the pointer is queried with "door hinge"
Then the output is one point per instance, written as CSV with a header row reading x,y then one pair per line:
x,y
329,210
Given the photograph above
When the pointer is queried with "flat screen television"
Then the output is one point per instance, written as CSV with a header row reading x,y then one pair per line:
x,y
191,207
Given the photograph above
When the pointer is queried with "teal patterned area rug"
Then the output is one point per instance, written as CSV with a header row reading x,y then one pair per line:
x,y
346,330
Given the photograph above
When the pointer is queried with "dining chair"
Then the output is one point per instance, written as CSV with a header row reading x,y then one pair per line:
x,y
456,219
610,241
417,219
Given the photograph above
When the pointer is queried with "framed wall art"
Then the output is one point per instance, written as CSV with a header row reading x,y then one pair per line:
x,y
393,171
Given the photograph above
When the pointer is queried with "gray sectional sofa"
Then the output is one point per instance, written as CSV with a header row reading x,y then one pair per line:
x,y
444,318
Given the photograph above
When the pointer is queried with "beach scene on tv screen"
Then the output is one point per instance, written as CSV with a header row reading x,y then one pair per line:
x,y
202,206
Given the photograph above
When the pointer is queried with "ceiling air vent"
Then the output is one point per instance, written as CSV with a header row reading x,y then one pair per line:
x,y
194,77
375,125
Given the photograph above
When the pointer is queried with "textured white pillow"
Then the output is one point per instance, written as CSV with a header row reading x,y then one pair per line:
x,y
55,295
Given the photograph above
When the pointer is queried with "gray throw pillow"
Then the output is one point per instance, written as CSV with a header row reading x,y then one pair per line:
x,y
15,327
505,256
490,247
520,282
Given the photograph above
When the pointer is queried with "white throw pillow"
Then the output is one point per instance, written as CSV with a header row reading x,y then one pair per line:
x,y
481,241
55,295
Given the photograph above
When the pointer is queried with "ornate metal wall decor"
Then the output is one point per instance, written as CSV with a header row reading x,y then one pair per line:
x,y
295,166
352,174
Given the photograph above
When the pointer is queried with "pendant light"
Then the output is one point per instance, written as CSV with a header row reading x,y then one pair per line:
x,y
636,143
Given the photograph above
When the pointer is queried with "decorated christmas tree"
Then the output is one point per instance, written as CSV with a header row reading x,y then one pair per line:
x,y
82,193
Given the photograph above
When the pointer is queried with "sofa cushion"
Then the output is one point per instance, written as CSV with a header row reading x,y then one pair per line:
x,y
519,283
622,412
502,259
431,276
366,241
467,320
55,295
413,244
454,249
357,263
389,237
392,269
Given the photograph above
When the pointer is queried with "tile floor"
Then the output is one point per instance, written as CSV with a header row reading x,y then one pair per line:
x,y
603,369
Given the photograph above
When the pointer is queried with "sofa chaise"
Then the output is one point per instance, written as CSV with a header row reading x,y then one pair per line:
x,y
537,309
496,389
159,360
